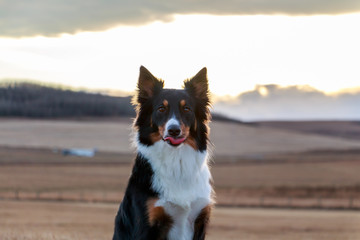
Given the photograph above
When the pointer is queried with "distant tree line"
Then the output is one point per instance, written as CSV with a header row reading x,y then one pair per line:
x,y
36,101
31,100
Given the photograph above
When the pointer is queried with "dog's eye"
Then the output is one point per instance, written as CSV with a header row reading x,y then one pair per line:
x,y
161,109
187,109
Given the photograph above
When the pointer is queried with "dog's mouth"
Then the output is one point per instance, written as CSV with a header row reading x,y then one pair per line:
x,y
174,141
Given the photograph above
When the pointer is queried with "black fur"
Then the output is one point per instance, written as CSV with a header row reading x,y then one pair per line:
x,y
131,220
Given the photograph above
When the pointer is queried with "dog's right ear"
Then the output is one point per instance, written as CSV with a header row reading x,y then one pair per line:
x,y
148,85
198,86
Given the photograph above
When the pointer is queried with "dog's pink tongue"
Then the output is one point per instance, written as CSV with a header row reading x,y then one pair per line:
x,y
175,141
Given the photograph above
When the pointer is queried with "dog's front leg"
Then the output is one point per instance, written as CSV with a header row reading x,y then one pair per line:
x,y
160,222
201,223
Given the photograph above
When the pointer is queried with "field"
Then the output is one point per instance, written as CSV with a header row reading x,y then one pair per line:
x,y
229,139
271,183
79,221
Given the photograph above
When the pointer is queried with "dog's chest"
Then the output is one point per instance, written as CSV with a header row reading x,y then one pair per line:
x,y
180,175
183,218
183,196
182,179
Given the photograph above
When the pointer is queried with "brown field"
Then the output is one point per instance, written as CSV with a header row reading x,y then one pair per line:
x,y
44,195
342,129
331,175
79,221
229,139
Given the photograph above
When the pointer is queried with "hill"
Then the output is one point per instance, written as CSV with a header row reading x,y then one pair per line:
x,y
34,100
38,101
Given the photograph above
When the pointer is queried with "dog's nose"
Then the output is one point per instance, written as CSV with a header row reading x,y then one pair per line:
x,y
174,130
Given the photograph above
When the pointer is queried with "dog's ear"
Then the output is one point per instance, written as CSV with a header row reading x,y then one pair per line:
x,y
198,85
148,85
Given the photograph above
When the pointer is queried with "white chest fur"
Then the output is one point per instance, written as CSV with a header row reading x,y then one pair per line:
x,y
182,178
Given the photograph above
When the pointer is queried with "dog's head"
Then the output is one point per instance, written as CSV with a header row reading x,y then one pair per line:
x,y
177,116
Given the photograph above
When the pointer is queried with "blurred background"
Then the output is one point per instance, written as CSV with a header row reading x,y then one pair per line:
x,y
285,82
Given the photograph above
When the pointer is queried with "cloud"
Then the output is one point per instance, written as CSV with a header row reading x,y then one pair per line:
x,y
42,17
272,102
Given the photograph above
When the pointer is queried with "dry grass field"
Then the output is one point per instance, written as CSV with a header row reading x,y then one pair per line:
x,y
229,139
319,174
345,129
79,221
45,195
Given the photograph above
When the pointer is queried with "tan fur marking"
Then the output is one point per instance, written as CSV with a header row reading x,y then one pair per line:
x,y
155,137
165,103
185,130
182,103
191,142
151,210
161,130
189,139
157,215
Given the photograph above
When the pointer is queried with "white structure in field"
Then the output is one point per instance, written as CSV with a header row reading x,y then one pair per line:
x,y
79,152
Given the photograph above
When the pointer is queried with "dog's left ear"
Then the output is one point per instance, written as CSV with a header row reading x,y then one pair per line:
x,y
198,85
148,85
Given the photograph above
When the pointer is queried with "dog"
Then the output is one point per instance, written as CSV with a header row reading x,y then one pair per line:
x,y
169,194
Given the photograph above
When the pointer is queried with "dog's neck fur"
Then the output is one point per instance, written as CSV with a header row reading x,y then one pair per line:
x,y
181,174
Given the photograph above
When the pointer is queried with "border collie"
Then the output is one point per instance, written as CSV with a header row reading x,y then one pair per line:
x,y
169,193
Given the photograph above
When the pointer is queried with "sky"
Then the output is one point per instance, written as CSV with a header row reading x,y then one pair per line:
x,y
243,43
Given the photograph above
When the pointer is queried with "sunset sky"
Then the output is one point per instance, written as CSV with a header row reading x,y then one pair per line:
x,y
101,44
